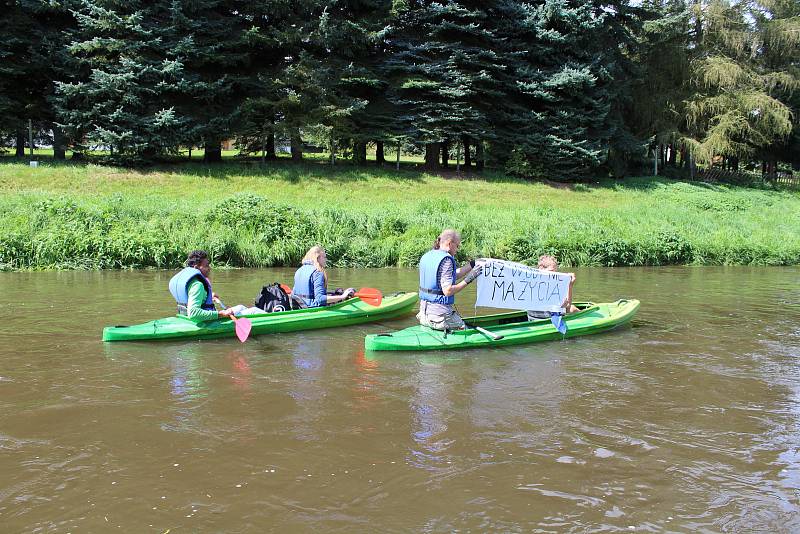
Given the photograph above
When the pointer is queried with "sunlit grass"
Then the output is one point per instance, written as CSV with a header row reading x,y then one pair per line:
x,y
89,216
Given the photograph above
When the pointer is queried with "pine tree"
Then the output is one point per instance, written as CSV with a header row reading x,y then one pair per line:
x,y
443,71
159,75
30,60
743,73
659,84
560,117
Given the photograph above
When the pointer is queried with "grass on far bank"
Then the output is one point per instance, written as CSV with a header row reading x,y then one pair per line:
x,y
95,217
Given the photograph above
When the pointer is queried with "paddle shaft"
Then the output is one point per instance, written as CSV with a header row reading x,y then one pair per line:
x,y
485,332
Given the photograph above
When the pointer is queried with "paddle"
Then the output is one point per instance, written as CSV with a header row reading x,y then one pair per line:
x,y
243,324
370,295
496,337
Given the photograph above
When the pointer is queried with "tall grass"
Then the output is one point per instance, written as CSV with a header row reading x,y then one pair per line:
x,y
90,217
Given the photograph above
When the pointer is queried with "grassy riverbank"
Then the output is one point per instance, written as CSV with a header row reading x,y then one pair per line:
x,y
92,217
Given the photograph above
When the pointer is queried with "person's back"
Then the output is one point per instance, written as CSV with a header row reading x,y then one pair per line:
x,y
310,281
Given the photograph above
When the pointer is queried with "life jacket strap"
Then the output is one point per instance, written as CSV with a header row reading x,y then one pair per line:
x,y
431,291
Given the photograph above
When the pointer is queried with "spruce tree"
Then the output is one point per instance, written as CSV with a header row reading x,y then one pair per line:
x,y
561,113
159,75
31,53
443,71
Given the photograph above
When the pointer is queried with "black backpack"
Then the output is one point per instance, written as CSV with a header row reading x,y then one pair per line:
x,y
274,299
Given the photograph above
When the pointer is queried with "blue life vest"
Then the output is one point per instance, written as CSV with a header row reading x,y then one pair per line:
x,y
429,288
304,284
179,287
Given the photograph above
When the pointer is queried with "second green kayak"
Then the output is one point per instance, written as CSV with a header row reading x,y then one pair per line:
x,y
511,328
349,312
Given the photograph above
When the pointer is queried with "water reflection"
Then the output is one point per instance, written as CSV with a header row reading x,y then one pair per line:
x,y
307,387
430,407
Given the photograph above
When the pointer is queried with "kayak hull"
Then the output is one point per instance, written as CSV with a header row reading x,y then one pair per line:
x,y
512,326
349,312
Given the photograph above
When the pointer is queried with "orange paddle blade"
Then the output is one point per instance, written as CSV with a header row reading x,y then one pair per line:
x,y
370,295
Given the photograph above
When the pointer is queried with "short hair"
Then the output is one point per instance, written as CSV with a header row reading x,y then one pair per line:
x,y
548,261
195,257
448,234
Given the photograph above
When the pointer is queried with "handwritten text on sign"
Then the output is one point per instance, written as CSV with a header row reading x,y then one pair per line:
x,y
505,284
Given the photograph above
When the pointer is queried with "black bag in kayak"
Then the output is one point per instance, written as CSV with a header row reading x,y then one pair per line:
x,y
274,299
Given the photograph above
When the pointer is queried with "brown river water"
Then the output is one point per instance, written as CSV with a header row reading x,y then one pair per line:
x,y
687,420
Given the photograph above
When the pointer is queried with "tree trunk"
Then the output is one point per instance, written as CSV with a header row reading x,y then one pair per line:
x,y
673,155
772,168
20,152
698,22
296,145
445,153
269,149
360,153
662,154
432,156
480,157
213,151
397,165
735,164
465,140
59,152
379,157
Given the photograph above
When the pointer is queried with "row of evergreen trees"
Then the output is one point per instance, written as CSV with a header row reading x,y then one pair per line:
x,y
546,88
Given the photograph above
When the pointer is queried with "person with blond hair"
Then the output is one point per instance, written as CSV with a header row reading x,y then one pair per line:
x,y
550,264
438,282
311,281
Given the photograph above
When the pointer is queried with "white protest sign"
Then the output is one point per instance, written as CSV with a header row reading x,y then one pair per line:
x,y
505,284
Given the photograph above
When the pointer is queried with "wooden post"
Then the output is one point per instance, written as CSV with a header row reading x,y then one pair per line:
x,y
655,161
397,167
458,158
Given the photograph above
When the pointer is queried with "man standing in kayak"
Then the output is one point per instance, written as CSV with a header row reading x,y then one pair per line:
x,y
438,284
191,289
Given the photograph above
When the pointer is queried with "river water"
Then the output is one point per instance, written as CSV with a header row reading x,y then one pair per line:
x,y
688,420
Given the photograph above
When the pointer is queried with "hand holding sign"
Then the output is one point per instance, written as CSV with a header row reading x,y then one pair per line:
x,y
476,271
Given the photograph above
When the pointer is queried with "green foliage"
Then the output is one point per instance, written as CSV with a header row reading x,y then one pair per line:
x,y
631,222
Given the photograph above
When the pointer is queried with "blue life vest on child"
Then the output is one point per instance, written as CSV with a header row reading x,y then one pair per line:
x,y
179,285
304,285
429,288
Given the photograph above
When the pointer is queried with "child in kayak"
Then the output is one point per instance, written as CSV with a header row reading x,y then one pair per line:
x,y
549,263
438,284
311,281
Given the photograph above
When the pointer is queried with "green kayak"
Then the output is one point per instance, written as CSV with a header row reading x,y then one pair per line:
x,y
511,328
349,312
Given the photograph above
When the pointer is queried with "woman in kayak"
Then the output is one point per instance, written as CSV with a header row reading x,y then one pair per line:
x,y
191,289
438,284
549,263
311,281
